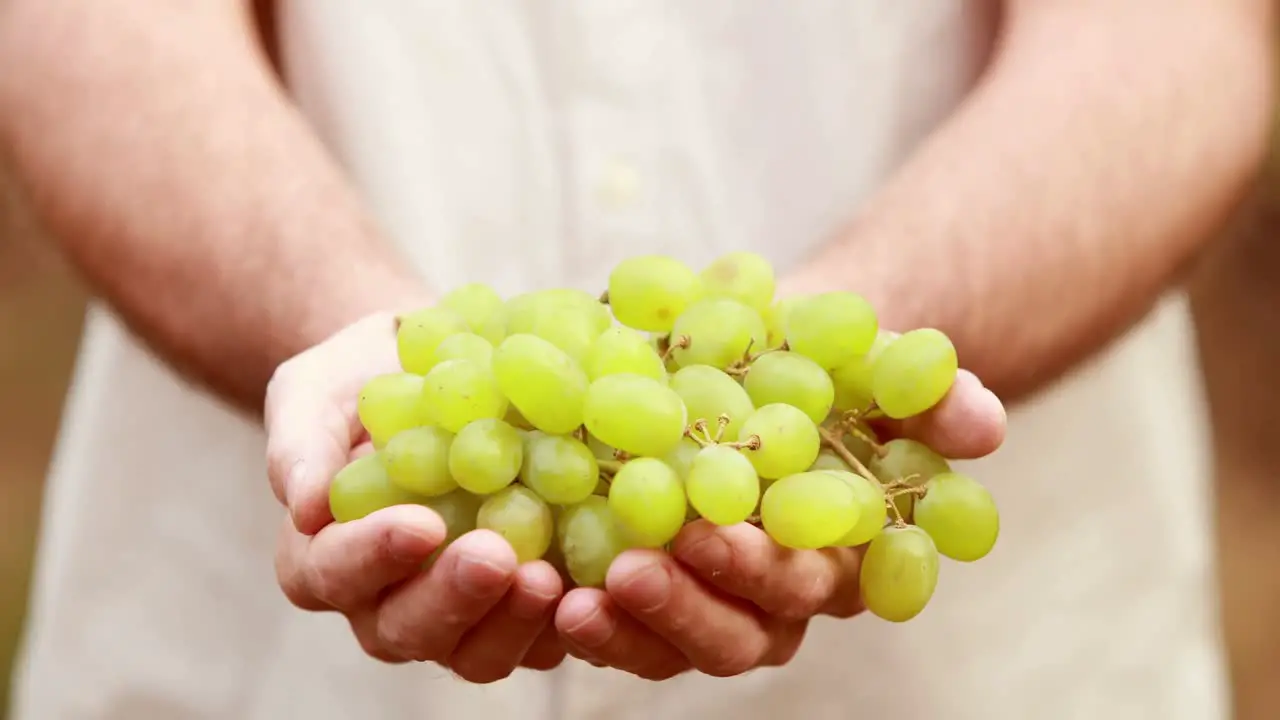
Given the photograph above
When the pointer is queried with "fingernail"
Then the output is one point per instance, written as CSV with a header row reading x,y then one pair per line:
x,y
710,555
478,578
408,545
593,630
647,588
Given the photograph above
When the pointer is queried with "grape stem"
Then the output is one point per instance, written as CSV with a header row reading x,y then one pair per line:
x,y
850,425
702,435
833,441
784,347
697,432
681,342
604,298
722,423
890,496
609,467
740,367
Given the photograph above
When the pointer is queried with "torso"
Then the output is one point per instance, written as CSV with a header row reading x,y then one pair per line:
x,y
533,145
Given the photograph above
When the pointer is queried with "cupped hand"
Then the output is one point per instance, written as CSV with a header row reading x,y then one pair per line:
x,y
728,599
474,610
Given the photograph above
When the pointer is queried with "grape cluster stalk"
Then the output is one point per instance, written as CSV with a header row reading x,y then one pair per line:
x,y
578,426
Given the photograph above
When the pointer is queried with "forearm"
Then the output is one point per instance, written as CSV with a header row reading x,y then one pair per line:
x,y
1103,147
157,148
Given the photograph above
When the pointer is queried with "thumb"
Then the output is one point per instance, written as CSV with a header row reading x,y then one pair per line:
x,y
311,415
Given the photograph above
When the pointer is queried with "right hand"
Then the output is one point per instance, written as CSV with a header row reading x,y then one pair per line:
x,y
474,611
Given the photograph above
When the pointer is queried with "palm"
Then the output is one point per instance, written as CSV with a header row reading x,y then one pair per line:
x,y
473,610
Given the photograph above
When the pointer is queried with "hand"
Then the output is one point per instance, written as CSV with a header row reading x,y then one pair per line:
x,y
729,599
474,611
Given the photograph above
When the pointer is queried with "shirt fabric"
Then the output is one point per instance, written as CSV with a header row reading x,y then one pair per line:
x,y
532,145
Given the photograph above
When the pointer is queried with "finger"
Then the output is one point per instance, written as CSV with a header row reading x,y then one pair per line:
x,y
364,625
968,423
495,647
720,637
742,561
547,651
308,441
311,418
787,639
348,565
361,450
426,617
291,560
597,630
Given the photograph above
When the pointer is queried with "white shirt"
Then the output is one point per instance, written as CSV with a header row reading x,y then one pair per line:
x,y
534,145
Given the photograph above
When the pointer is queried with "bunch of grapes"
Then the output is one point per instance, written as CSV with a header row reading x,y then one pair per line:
x,y
578,426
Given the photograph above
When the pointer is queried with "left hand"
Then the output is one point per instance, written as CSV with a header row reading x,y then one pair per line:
x,y
728,599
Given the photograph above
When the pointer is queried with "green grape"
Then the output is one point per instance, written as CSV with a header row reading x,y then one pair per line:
x,y
789,440
742,276
808,510
485,456
648,292
775,319
832,328
681,458
860,446
722,485
457,392
635,414
852,380
720,332
589,540
572,329
647,499
902,458
390,404
569,319
458,510
828,460
482,308
899,573
623,350
871,509
528,436
420,333
524,311
560,469
545,384
362,488
960,515
465,346
786,377
913,373
709,393
520,516
909,460
417,460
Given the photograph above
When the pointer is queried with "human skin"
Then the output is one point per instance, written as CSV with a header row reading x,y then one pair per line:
x,y
1052,177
